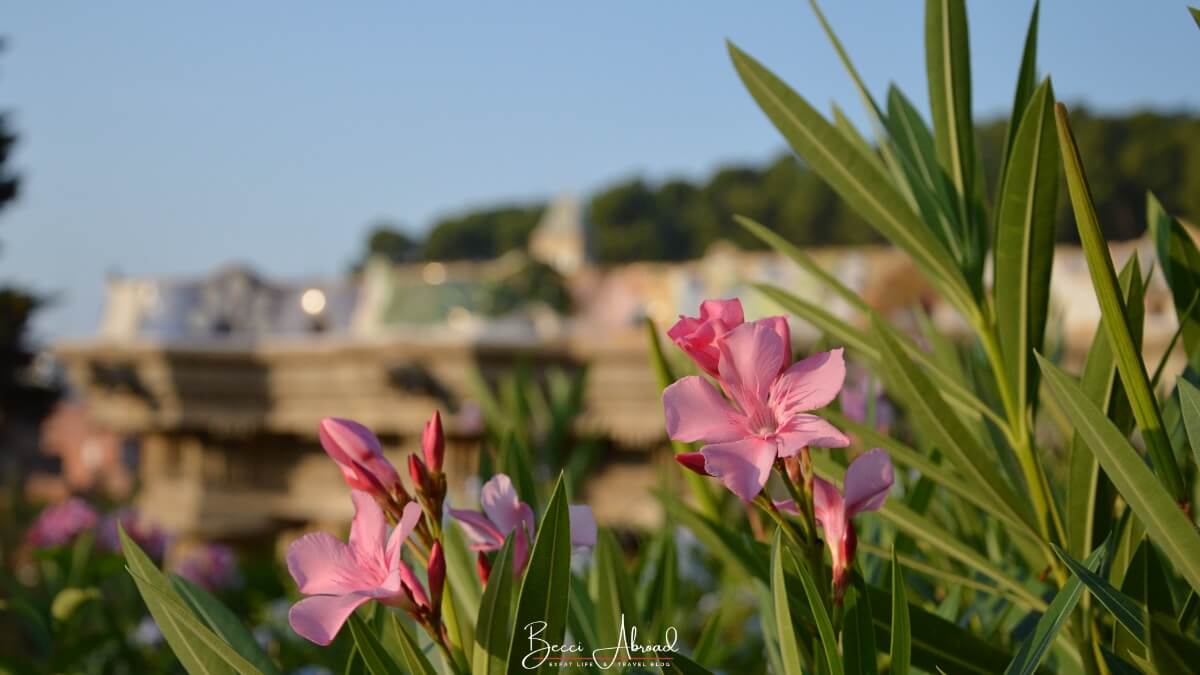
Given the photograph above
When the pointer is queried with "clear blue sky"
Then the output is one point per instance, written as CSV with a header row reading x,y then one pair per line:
x,y
164,138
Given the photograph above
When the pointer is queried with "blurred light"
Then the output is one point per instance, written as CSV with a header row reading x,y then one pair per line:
x,y
312,301
434,273
458,318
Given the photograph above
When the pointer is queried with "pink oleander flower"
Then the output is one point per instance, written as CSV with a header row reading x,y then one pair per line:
x,y
867,482
212,567
359,455
697,337
766,418
854,401
338,578
59,524
503,511
147,535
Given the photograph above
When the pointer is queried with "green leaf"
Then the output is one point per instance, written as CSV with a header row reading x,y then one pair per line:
x,y
224,623
611,589
545,589
734,547
581,614
924,400
1129,362
854,177
414,658
1180,261
803,260
684,665
1154,508
516,460
1189,403
372,651
1034,649
492,629
659,594
901,649
1025,245
69,599
948,64
816,604
1089,498
858,632
785,628
198,649
1026,82
1195,14
1123,608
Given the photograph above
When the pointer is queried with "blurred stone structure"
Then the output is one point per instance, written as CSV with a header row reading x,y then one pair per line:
x,y
223,379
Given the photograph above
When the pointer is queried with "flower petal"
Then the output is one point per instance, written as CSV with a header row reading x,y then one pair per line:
x,y
483,534
868,481
727,311
320,617
410,581
751,357
696,411
803,430
501,503
368,531
809,384
321,564
408,520
743,465
828,506
583,525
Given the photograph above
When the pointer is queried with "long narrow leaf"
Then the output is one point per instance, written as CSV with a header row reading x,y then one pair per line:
x,y
1034,649
545,589
224,623
410,651
492,629
785,628
1123,608
852,176
1104,281
372,651
816,604
1025,245
901,650
1155,509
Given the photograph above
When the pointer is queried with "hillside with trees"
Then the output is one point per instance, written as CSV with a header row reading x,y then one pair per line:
x,y
636,219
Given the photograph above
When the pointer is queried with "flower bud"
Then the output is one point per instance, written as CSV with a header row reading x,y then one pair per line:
x,y
358,454
483,567
436,575
433,443
693,461
419,474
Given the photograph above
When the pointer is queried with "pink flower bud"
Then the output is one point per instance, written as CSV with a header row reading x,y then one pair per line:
x,y
433,443
483,567
693,461
358,454
436,575
419,474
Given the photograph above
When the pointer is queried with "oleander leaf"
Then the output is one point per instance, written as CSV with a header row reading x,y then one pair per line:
x,y
545,588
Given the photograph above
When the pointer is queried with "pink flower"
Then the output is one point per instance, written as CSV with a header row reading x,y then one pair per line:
x,y
766,418
149,537
338,577
211,566
503,511
359,456
59,524
868,481
698,337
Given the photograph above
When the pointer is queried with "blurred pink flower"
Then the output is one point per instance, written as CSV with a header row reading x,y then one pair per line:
x,y
59,524
210,566
698,336
338,577
148,536
766,418
868,481
503,511
359,455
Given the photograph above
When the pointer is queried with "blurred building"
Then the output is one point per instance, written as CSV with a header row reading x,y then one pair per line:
x,y
223,378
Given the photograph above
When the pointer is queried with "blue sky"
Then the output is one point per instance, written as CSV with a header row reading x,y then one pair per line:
x,y
167,138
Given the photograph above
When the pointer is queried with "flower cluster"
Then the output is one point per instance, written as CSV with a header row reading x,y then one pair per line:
x,y
339,577
757,417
